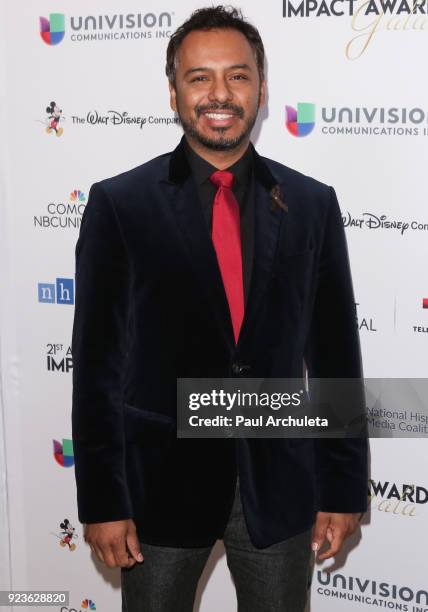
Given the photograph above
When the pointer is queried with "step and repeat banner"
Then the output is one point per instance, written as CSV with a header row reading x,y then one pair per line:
x,y
84,96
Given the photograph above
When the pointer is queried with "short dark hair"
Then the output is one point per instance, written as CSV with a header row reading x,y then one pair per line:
x,y
215,18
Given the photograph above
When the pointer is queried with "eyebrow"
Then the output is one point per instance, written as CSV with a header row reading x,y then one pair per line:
x,y
205,68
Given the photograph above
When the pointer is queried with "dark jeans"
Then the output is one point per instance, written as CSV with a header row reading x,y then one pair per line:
x,y
272,579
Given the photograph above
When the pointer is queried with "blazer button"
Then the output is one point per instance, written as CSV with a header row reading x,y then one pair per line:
x,y
236,368
239,369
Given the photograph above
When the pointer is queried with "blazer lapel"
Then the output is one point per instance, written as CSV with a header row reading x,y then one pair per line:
x,y
197,239
270,222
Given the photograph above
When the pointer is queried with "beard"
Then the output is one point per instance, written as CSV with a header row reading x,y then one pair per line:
x,y
221,142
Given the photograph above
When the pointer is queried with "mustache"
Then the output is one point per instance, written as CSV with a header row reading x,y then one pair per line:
x,y
204,108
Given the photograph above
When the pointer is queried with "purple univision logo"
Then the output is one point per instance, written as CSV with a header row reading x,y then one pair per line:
x,y
63,453
52,30
300,122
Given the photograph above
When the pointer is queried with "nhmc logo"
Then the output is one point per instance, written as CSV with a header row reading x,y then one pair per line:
x,y
62,292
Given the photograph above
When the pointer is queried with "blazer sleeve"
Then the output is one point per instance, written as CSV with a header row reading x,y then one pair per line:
x,y
333,351
99,350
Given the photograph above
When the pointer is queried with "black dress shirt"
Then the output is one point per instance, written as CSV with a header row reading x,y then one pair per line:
x,y
244,191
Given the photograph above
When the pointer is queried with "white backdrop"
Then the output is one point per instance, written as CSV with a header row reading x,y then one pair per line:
x,y
374,154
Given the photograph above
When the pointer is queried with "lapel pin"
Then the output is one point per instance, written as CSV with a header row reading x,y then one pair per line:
x,y
276,202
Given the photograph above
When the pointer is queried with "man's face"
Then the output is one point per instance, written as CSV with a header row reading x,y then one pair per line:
x,y
217,91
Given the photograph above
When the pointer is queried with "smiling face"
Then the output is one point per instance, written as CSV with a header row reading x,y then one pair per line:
x,y
217,90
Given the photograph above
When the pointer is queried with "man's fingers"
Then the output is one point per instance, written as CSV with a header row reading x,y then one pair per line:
x,y
340,527
109,557
97,551
354,523
103,551
134,546
121,555
113,555
320,530
336,542
114,542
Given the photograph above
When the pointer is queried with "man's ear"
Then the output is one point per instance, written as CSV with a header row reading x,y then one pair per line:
x,y
262,93
172,96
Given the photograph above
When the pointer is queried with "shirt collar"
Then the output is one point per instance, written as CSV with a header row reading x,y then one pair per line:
x,y
202,169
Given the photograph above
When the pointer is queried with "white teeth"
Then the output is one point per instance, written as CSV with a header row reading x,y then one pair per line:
x,y
218,116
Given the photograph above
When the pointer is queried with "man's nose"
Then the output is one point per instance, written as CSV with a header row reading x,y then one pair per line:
x,y
220,91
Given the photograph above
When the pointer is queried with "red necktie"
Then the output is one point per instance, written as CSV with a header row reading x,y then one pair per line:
x,y
226,235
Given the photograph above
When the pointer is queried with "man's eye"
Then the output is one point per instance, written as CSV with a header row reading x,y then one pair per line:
x,y
238,77
199,78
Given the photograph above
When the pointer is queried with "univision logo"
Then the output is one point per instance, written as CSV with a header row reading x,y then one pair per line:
x,y
52,30
357,121
300,121
119,26
63,453
370,592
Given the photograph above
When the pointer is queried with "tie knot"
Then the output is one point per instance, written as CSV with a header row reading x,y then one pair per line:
x,y
222,178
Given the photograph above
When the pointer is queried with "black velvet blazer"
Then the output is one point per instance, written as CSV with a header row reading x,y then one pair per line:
x,y
151,307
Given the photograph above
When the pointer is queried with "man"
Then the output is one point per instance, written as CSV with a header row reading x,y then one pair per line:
x,y
210,261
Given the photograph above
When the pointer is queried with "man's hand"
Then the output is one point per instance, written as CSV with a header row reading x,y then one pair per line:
x,y
111,542
334,527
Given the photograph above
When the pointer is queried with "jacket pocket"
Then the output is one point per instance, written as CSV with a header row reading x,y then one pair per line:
x,y
138,422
